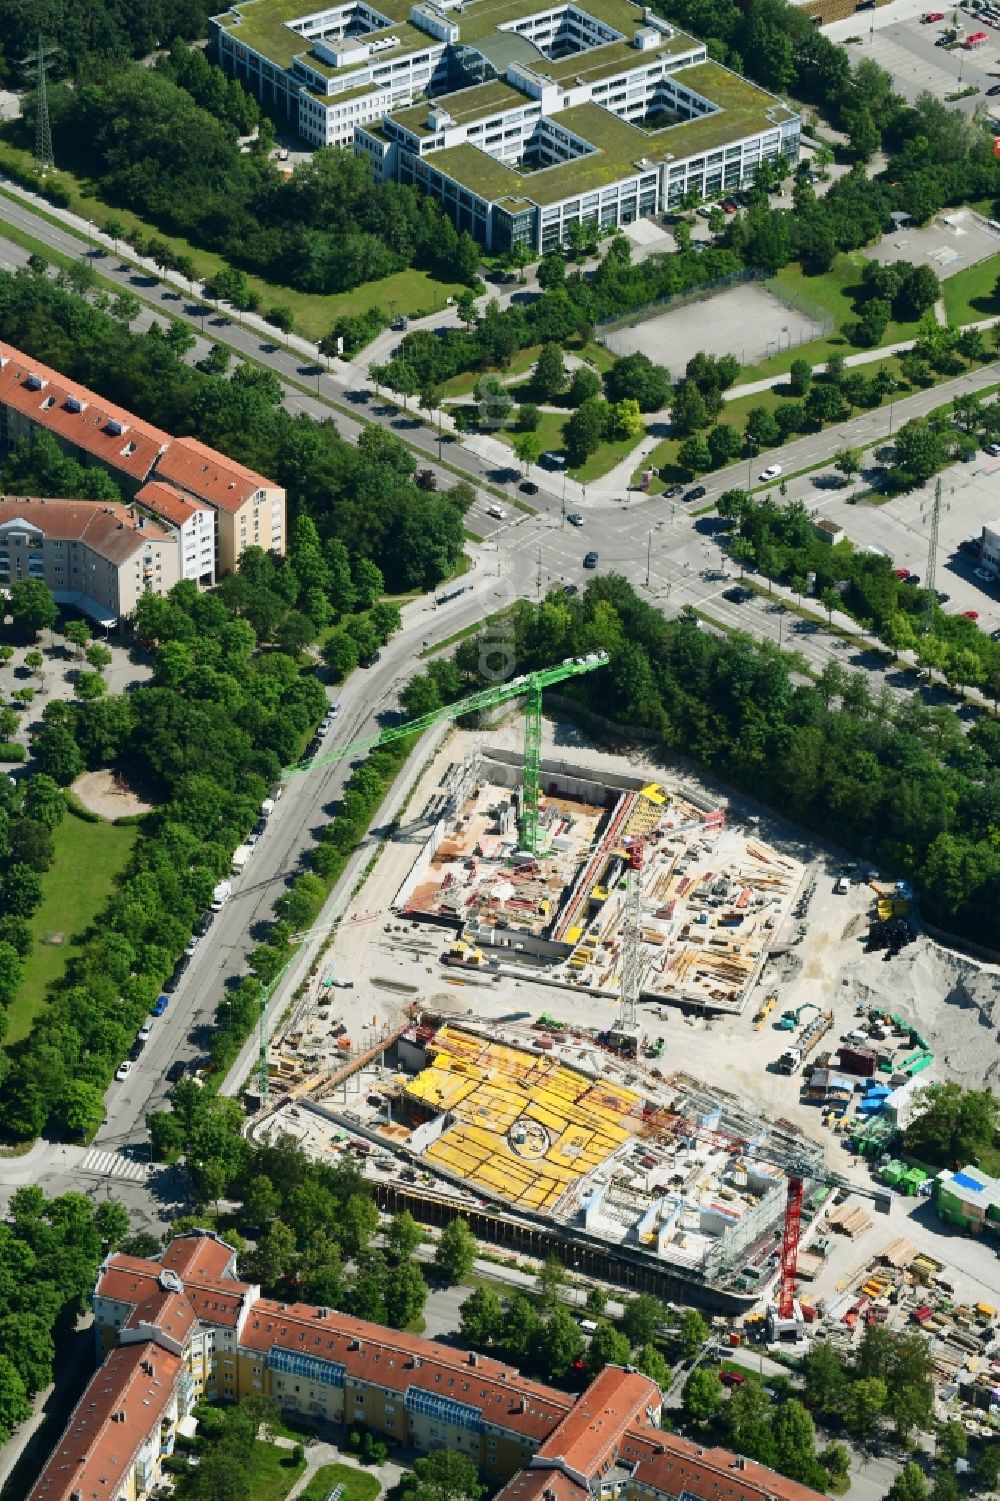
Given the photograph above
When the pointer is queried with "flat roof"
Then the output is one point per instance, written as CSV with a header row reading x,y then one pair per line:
x,y
480,101
743,110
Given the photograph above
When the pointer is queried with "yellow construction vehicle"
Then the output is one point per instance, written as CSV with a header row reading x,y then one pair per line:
x,y
465,956
765,1011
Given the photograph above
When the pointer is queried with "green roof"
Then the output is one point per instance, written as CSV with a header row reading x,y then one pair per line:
x,y
480,101
743,110
614,57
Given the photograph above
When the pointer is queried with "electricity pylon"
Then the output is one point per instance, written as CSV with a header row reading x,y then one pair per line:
x,y
43,129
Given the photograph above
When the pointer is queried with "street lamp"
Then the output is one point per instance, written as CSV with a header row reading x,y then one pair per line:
x,y
649,550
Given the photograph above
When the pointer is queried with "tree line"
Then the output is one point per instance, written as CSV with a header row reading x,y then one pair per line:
x,y
903,786
164,143
50,1250
363,496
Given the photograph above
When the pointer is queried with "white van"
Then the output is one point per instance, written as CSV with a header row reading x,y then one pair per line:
x,y
267,807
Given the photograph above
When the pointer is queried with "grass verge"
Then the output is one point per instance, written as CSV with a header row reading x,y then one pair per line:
x,y
358,1485
462,635
968,295
88,857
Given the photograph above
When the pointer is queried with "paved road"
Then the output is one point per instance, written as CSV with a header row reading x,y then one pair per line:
x,y
523,556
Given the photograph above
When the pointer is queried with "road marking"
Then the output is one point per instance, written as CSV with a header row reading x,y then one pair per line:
x,y
114,1165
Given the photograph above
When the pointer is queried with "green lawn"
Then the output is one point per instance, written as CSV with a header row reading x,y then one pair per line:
x,y
968,295
88,857
358,1484
549,434
412,292
271,1472
832,294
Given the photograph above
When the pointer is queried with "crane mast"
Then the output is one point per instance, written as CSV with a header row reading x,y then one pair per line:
x,y
528,686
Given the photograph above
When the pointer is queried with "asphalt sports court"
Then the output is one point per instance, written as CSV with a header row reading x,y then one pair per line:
x,y
746,321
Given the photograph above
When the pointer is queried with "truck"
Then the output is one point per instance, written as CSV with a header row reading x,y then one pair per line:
x,y
931,15
241,854
221,895
789,1061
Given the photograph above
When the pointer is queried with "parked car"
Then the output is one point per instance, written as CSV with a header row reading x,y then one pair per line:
x,y
698,493
590,561
732,1378
574,518
370,659
160,1005
970,614
673,490
993,90
914,579
123,1070
842,886
902,573
993,449
145,1031
972,546
192,944
941,597
570,589
332,712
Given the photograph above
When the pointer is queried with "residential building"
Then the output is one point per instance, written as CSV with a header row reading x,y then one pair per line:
x,y
207,1335
524,120
247,509
191,521
970,1199
991,546
97,557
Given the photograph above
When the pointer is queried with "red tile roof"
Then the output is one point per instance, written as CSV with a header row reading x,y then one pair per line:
x,y
399,1361
132,450
112,531
543,1485
199,1256
118,1411
715,1475
210,475
166,1310
166,501
590,1435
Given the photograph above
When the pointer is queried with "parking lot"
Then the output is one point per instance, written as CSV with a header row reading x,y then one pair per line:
x,y
901,527
906,49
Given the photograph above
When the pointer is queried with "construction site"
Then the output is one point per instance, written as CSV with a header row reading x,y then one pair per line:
x,y
707,899
607,1012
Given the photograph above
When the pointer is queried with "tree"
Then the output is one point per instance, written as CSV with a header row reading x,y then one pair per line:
x,y
956,1124
82,1108
15,1407
921,450
89,685
761,429
528,448
583,434
951,1443
607,1347
444,1475
695,455
800,377
795,1442
836,1461
702,1395
693,1332
550,1281
111,1219
548,378
652,1364
863,1405
825,403
642,1318
403,1236
986,1466
824,1377
584,383
528,417
909,1485
559,1344
688,411
405,1294
261,1201
481,1319
724,445
625,420
340,654
32,606
455,1253
636,376
847,463
749,1417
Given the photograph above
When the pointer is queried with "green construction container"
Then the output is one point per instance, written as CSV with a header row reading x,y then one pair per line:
x,y
912,1181
893,1172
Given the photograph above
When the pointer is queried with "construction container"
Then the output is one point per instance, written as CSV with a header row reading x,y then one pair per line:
x,y
735,1339
893,1173
855,1060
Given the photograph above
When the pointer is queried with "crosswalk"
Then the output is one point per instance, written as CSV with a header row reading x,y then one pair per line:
x,y
114,1165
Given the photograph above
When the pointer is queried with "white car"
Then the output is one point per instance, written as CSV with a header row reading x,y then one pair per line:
x,y
145,1032
771,472
124,1069
993,449
497,512
333,711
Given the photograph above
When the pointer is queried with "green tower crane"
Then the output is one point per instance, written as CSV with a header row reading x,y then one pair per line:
x,y
528,686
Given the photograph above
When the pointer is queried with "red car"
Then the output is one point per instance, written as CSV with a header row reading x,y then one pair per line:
x,y
970,614
732,1378
901,573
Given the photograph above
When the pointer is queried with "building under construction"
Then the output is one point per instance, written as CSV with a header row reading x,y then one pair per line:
x,y
708,899
547,1141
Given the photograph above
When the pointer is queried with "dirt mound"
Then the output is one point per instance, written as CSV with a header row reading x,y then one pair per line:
x,y
108,795
952,1001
